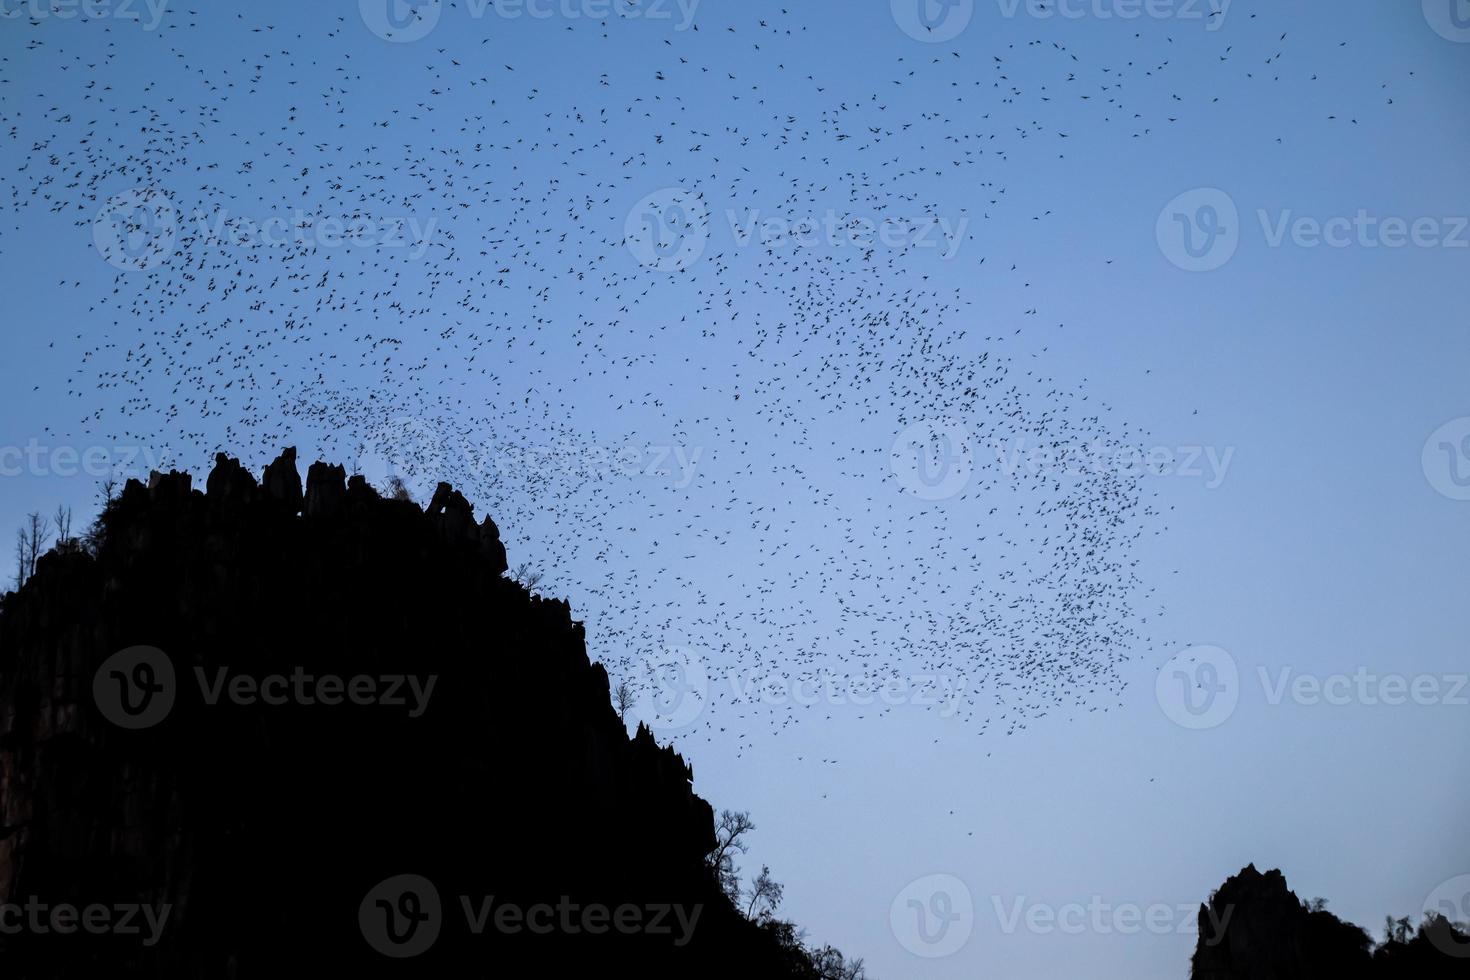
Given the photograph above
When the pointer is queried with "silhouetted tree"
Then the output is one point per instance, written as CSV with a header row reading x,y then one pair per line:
x,y
765,895
1397,930
830,965
527,576
826,963
106,493
30,543
395,489
20,558
729,840
65,543
622,699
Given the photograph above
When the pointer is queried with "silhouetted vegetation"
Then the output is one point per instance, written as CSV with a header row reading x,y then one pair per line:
x,y
1268,934
394,488
758,903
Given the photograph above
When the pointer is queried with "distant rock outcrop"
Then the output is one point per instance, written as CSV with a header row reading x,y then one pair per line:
x,y
316,731
1267,933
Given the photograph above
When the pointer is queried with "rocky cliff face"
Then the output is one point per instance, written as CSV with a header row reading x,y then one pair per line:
x,y
1269,934
296,729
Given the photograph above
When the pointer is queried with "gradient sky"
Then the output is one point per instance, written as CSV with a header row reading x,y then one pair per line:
x,y
1333,542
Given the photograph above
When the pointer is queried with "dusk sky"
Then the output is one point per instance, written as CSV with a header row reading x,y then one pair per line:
x,y
687,297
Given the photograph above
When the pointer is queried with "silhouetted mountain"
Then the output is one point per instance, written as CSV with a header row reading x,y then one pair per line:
x,y
254,710
1266,933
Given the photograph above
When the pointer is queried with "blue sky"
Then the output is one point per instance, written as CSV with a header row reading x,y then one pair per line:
x,y
1310,522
